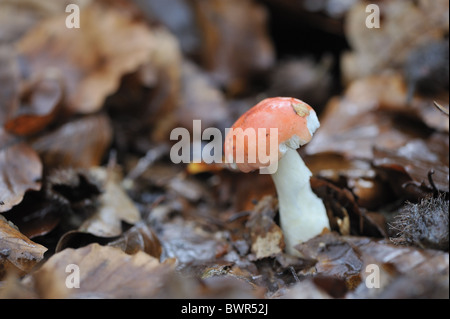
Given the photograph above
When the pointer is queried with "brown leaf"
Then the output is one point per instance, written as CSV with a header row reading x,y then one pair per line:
x,y
20,170
335,257
35,215
140,237
344,213
102,270
358,175
40,102
405,272
114,207
17,252
415,161
266,236
80,143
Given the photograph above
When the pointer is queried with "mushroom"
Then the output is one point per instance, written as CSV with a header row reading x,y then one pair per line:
x,y
302,213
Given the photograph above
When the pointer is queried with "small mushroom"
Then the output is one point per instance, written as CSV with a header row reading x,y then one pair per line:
x,y
302,213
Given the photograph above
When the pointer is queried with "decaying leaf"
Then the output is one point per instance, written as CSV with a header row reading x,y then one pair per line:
x,y
102,270
344,213
17,253
114,207
266,236
140,237
40,102
20,170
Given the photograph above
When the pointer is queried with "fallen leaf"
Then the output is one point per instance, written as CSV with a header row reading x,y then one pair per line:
x,y
114,206
102,270
266,236
20,171
344,213
17,253
40,102
140,237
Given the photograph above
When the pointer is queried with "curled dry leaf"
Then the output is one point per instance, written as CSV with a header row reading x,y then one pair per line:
x,y
335,258
344,213
79,143
102,269
20,170
17,253
40,101
358,175
140,237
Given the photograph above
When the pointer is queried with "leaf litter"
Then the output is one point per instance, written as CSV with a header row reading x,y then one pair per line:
x,y
86,176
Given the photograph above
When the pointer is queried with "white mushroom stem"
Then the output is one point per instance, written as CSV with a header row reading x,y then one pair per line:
x,y
302,213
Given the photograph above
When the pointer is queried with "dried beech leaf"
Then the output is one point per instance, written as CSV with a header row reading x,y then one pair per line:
x,y
17,252
102,270
140,237
114,207
79,143
344,213
335,257
35,215
20,170
39,105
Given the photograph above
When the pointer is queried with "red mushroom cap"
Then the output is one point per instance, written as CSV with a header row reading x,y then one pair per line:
x,y
294,120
